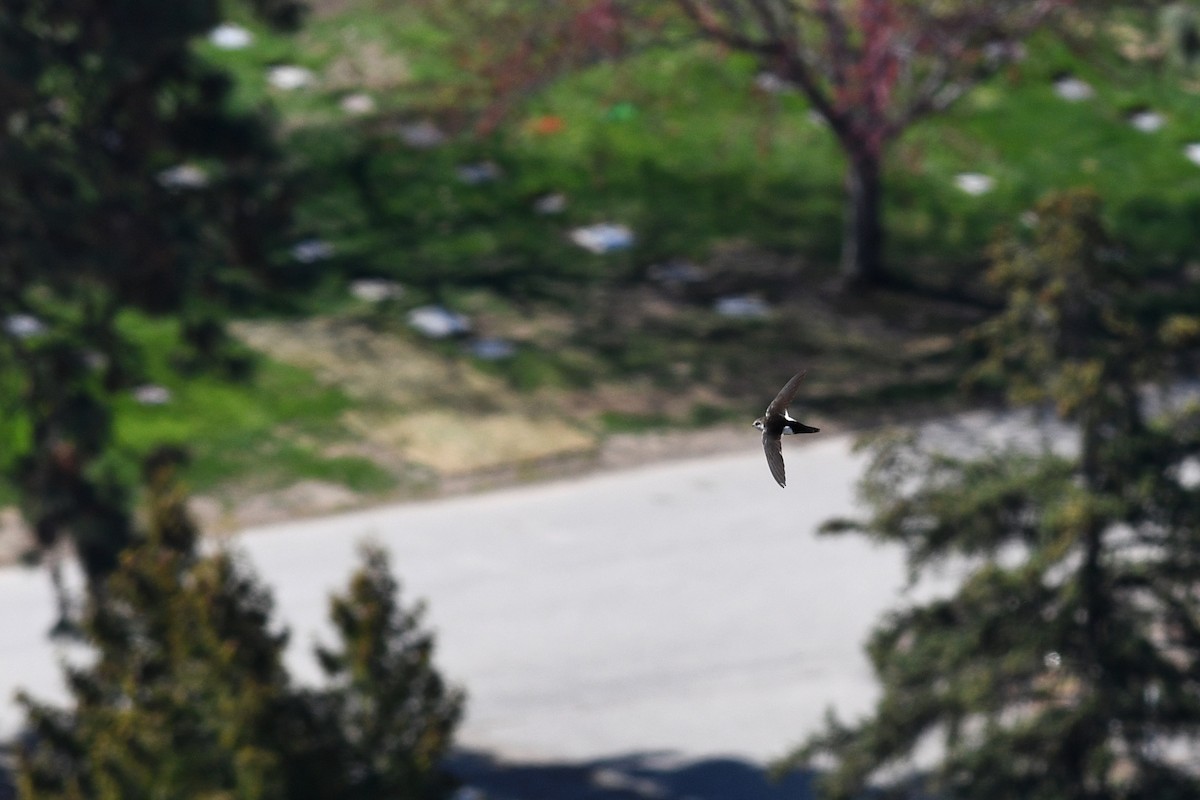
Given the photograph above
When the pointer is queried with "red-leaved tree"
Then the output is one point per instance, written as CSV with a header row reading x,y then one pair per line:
x,y
869,68
514,49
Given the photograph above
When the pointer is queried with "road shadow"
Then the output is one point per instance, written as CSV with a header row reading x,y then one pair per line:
x,y
638,776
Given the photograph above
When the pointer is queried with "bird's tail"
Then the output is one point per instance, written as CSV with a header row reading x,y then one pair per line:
x,y
802,428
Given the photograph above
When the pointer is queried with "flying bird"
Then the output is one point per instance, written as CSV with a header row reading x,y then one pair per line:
x,y
777,422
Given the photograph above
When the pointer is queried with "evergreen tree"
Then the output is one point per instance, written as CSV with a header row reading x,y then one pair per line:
x,y
188,696
397,713
126,181
1065,664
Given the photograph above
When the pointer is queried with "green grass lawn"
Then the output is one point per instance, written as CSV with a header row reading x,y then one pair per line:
x,y
678,145
264,432
697,156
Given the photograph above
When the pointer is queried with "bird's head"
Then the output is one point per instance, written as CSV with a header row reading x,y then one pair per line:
x,y
758,423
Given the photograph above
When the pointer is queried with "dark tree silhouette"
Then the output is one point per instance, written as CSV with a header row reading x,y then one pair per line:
x,y
397,713
126,181
1065,665
188,696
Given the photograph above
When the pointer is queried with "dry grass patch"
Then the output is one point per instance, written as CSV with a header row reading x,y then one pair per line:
x,y
306,498
366,66
452,444
368,365
418,406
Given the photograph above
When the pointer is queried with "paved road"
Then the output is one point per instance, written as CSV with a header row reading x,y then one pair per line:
x,y
685,606
598,623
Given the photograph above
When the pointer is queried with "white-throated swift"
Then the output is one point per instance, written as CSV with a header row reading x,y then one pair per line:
x,y
777,423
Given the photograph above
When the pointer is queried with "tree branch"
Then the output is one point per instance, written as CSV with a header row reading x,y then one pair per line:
x,y
838,37
767,19
708,22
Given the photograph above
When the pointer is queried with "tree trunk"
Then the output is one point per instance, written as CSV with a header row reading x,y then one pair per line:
x,y
65,626
862,231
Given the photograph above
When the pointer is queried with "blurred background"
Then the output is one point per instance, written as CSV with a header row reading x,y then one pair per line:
x,y
498,288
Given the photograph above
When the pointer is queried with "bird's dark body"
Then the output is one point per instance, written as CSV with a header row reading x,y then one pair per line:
x,y
776,424
781,426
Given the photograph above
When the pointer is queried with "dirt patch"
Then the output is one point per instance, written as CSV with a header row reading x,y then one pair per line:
x,y
453,444
366,66
374,366
417,405
304,499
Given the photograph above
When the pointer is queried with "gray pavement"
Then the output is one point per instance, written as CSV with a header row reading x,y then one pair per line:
x,y
657,632
682,607
685,606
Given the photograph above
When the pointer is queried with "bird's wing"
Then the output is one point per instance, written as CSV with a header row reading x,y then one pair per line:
x,y
784,398
773,446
